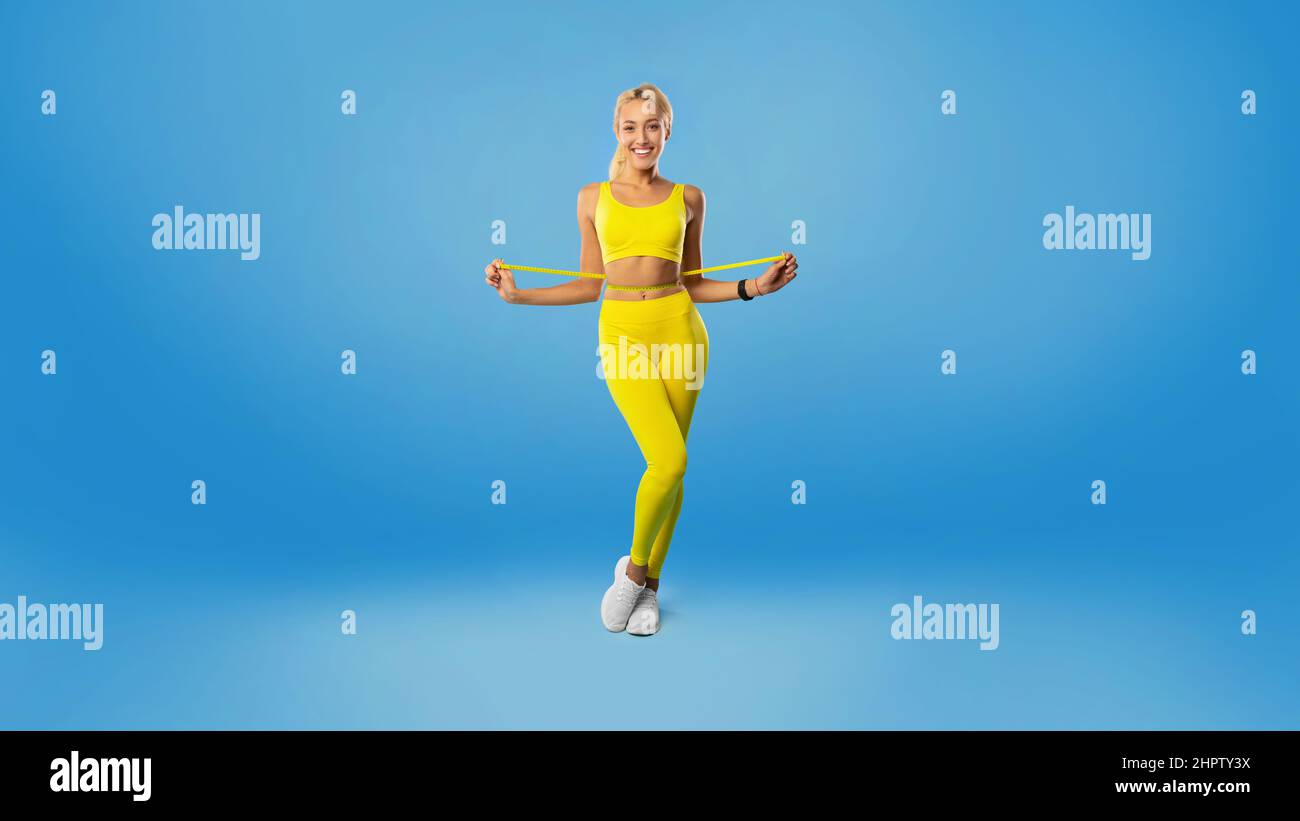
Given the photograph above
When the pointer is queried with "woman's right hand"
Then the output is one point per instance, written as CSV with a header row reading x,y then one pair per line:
x,y
501,279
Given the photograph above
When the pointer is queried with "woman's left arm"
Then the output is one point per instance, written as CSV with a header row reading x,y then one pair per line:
x,y
701,288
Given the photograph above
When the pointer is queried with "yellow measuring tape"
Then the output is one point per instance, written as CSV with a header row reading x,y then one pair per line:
x,y
639,287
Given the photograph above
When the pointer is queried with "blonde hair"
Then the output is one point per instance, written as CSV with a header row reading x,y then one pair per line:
x,y
660,105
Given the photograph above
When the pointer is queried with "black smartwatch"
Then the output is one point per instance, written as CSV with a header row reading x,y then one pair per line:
x,y
740,289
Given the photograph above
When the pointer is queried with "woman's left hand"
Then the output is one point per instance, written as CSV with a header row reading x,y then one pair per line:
x,y
778,275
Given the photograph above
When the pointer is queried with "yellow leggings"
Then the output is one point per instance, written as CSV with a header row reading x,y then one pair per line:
x,y
654,354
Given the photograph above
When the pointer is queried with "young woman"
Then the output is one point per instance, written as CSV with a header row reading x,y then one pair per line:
x,y
641,231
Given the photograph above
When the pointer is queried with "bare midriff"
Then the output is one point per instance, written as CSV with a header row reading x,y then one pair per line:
x,y
640,272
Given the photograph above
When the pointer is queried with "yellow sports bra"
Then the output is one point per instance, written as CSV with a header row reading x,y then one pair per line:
x,y
657,230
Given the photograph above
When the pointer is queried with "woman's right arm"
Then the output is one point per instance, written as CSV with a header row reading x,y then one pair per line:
x,y
581,289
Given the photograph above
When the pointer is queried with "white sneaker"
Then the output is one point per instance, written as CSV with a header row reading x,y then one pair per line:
x,y
644,620
620,598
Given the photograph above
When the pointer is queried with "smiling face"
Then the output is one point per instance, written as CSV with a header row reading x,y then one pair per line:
x,y
642,133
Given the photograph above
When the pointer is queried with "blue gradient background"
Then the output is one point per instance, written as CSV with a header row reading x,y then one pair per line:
x,y
372,492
